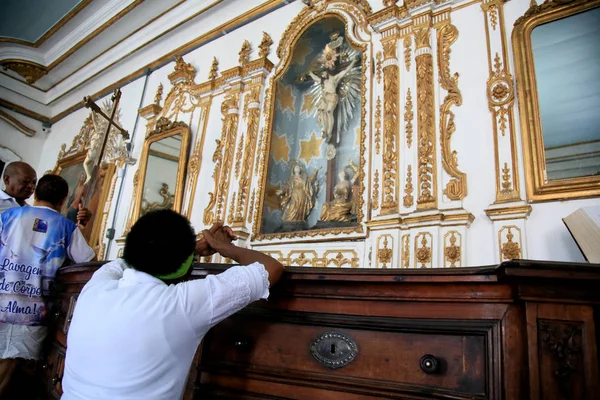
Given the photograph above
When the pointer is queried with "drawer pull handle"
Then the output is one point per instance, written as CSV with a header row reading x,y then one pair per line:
x,y
429,364
334,349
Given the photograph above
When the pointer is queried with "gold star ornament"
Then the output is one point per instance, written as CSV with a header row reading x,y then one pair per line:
x,y
285,97
280,149
310,148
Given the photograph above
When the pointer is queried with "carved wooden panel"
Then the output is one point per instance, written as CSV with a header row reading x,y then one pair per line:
x,y
562,352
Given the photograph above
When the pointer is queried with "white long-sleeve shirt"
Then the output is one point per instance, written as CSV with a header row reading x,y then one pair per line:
x,y
134,337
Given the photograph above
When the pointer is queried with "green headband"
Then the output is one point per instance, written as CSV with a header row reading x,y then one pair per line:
x,y
181,271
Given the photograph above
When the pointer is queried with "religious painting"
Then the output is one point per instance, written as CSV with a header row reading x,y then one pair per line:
x,y
314,154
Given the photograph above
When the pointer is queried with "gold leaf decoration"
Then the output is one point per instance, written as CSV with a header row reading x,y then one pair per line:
x,y
378,125
423,253
408,117
310,148
390,131
456,189
375,197
425,124
408,188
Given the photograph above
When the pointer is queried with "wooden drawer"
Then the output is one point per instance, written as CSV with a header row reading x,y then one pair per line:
x,y
393,356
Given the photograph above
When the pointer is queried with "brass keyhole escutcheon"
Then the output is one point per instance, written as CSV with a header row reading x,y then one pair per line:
x,y
334,349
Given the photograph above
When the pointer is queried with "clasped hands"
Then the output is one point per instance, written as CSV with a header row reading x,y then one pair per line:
x,y
214,240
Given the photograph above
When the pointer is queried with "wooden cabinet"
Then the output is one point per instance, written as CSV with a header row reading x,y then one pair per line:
x,y
522,330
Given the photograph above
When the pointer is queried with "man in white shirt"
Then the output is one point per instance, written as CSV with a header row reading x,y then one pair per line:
x,y
34,243
133,335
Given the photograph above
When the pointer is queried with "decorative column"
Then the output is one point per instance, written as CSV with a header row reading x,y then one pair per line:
x,y
509,211
255,73
426,143
391,73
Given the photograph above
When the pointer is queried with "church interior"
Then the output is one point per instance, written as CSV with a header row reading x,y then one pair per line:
x,y
411,161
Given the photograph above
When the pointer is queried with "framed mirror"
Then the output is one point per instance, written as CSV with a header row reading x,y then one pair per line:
x,y
162,168
557,59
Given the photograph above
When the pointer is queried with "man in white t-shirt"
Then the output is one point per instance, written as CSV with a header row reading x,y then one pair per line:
x,y
133,335
34,242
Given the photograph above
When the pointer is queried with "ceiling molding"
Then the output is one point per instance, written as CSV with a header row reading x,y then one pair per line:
x,y
28,70
24,111
16,124
50,31
171,19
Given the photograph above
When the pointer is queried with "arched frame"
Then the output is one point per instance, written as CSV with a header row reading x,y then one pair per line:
x,y
358,35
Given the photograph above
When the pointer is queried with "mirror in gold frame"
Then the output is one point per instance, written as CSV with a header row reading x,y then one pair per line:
x,y
557,59
162,168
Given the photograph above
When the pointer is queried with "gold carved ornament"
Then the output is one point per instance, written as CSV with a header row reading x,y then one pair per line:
x,y
231,209
252,115
159,94
196,157
214,69
425,122
265,45
378,126
509,250
407,52
389,204
28,70
223,157
408,117
456,189
339,260
238,156
245,53
406,251
378,66
408,188
309,15
423,253
539,188
375,195
384,254
251,209
452,251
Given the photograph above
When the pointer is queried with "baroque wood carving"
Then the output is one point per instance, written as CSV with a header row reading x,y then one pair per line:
x,y
456,189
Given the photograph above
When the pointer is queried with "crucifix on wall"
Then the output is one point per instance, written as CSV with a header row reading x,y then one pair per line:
x,y
98,142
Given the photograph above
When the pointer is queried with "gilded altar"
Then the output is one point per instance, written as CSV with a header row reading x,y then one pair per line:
x,y
353,137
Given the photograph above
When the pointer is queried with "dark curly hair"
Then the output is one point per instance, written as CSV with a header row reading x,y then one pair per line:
x,y
159,242
52,188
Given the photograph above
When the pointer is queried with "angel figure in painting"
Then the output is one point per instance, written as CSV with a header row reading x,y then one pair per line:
x,y
336,88
342,207
298,196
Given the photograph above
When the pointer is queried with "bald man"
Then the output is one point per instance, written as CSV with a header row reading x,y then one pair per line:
x,y
20,180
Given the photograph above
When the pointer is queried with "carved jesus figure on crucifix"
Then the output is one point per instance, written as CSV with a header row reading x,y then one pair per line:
x,y
329,84
336,89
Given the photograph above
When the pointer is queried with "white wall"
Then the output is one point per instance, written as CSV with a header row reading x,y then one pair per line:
x,y
29,149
